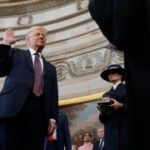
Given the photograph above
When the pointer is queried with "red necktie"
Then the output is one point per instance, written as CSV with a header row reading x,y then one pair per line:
x,y
50,138
38,77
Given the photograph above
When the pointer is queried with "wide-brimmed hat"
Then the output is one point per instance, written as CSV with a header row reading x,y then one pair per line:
x,y
115,68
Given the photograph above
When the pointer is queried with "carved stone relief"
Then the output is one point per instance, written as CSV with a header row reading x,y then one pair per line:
x,y
116,55
117,58
89,63
61,69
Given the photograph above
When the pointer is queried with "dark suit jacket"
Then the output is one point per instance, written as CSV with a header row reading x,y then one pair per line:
x,y
115,121
63,134
96,146
18,67
126,24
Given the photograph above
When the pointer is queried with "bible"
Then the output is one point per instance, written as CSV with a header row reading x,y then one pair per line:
x,y
105,101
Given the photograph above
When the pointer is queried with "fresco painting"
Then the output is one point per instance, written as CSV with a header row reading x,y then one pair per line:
x,y
81,118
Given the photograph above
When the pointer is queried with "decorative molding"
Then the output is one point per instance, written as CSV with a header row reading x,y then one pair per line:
x,y
80,100
61,69
117,57
48,21
24,19
18,3
81,4
16,7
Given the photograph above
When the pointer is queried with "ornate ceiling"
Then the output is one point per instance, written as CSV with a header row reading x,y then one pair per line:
x,y
16,7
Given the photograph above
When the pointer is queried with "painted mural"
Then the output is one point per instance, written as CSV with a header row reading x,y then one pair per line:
x,y
81,118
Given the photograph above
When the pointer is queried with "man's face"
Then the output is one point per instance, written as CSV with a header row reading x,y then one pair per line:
x,y
100,133
114,77
37,39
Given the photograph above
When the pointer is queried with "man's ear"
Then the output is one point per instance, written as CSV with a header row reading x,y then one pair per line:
x,y
28,42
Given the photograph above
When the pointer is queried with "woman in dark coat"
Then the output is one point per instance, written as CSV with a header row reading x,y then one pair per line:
x,y
114,116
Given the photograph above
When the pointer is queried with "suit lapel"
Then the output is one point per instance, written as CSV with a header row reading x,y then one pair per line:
x,y
29,60
30,63
44,67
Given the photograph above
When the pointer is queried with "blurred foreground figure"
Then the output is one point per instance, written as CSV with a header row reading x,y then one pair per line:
x,y
126,24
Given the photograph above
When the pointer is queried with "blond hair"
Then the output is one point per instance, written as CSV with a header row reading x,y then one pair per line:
x,y
33,28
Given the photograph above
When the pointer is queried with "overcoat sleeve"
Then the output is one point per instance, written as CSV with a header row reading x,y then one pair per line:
x,y
117,19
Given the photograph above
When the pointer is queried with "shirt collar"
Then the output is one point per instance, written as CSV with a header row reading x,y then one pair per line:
x,y
115,85
32,51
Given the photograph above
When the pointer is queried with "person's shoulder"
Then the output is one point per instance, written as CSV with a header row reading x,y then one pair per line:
x,y
62,115
107,92
122,85
50,65
19,51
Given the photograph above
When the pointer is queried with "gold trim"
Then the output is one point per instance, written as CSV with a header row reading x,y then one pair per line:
x,y
80,100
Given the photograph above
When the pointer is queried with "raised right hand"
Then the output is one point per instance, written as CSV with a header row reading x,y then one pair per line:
x,y
9,37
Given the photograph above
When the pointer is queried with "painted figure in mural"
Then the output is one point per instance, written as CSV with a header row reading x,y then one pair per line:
x,y
87,144
114,116
74,147
61,138
100,143
76,140
29,98
126,24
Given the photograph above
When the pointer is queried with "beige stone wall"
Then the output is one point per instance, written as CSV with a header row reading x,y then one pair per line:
x,y
15,7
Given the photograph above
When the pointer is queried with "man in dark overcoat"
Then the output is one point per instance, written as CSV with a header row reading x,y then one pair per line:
x,y
114,116
29,97
126,24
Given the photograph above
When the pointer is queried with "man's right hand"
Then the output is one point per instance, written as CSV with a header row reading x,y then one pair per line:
x,y
9,37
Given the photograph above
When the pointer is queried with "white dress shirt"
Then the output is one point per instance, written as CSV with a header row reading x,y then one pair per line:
x,y
115,85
